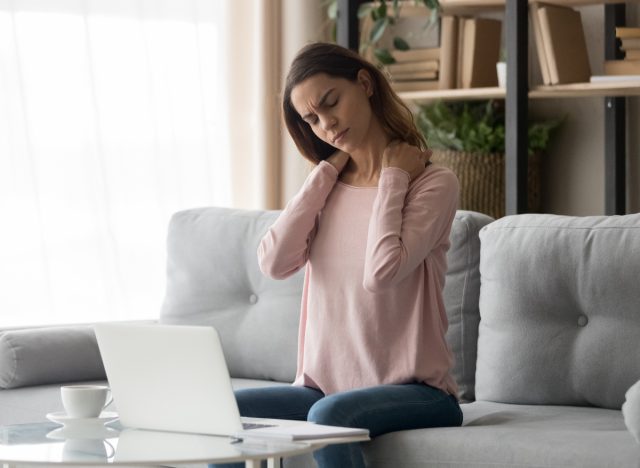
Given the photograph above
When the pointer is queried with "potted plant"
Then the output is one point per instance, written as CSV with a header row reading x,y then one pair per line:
x,y
384,14
469,138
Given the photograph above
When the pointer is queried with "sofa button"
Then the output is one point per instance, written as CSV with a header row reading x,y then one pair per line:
x,y
582,320
253,298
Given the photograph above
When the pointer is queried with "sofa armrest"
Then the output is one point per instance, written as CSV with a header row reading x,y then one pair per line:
x,y
38,356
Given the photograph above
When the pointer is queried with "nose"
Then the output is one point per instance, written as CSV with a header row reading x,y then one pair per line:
x,y
328,122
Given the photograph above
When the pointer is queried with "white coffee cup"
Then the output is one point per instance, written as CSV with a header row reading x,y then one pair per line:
x,y
85,401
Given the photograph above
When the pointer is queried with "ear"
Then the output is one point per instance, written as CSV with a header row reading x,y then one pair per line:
x,y
365,80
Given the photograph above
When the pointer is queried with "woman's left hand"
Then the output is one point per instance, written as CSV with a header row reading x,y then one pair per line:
x,y
407,157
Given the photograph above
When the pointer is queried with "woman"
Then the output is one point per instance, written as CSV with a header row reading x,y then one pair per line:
x,y
371,227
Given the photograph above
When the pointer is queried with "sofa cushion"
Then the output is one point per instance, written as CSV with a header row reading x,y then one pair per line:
x,y
631,410
40,356
559,310
461,293
213,278
503,435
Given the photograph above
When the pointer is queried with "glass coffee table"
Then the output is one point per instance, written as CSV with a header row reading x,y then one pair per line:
x,y
51,444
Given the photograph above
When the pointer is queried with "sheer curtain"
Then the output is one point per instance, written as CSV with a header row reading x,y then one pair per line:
x,y
113,115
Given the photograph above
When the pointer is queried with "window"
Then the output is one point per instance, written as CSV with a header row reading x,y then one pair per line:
x,y
111,119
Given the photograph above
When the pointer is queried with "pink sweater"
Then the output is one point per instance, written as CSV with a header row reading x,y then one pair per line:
x,y
375,257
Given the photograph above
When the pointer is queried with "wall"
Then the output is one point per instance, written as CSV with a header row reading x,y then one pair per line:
x,y
304,21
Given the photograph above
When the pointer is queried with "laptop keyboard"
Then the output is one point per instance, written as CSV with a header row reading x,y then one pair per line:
x,y
246,426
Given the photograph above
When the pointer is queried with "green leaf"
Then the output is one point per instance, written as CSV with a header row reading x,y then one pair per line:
x,y
382,9
477,126
378,29
332,10
383,56
400,43
396,8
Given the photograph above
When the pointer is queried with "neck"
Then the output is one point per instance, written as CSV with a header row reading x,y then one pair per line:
x,y
365,162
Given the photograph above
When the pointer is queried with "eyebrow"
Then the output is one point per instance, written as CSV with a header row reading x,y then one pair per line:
x,y
322,100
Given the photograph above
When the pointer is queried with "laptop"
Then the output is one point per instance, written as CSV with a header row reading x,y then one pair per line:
x,y
175,378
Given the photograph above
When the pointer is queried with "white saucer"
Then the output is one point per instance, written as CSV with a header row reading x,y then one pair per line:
x,y
83,432
61,417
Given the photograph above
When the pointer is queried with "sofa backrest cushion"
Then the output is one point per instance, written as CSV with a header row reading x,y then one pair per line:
x,y
461,294
559,306
213,278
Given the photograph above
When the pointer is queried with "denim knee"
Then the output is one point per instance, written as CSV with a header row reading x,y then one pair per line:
x,y
330,411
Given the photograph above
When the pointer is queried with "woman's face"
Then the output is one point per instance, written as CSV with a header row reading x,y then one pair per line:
x,y
337,110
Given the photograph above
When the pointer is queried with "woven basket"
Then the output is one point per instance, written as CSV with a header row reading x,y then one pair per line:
x,y
481,179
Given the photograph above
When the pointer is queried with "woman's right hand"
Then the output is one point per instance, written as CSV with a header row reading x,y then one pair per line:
x,y
338,160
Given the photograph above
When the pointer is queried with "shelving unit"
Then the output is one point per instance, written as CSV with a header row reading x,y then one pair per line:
x,y
518,92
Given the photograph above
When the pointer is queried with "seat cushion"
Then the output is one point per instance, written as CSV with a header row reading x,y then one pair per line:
x,y
559,310
504,435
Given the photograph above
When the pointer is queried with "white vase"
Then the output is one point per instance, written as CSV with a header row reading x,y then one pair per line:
x,y
501,69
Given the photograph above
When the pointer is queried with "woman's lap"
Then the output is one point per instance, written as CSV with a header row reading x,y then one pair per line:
x,y
381,409
388,408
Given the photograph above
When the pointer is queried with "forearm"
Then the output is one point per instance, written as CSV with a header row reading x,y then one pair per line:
x,y
285,247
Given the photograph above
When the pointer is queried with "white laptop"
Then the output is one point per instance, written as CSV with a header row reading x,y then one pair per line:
x,y
175,378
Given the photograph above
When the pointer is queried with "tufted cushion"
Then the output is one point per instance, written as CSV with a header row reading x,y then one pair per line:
x,y
461,292
213,279
559,310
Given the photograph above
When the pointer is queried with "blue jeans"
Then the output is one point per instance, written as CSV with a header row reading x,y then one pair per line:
x,y
381,409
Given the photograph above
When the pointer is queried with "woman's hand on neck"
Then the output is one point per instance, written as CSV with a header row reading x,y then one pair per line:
x,y
365,163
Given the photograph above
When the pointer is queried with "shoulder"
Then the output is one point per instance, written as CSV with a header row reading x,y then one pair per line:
x,y
435,180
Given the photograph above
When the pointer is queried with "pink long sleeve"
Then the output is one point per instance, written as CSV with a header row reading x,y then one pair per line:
x,y
401,236
285,247
372,309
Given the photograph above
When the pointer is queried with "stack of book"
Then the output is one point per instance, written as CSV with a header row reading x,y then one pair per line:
x,y
415,69
560,44
478,52
628,68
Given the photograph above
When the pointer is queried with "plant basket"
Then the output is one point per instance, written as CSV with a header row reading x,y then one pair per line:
x,y
481,177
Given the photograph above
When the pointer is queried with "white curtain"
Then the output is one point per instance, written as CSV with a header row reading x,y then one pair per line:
x,y
113,115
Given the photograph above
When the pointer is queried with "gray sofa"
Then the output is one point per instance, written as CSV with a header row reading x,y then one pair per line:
x,y
543,374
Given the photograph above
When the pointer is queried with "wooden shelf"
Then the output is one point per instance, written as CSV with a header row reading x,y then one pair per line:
x,y
453,94
619,88
474,6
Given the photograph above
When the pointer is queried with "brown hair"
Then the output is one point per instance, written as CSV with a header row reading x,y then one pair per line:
x,y
394,116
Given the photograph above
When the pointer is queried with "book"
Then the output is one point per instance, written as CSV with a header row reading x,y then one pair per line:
x,y
425,65
448,52
459,52
416,55
630,43
540,47
565,45
632,54
303,431
480,52
415,75
623,32
613,78
622,67
415,85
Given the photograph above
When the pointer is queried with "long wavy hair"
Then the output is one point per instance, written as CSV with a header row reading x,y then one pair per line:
x,y
336,61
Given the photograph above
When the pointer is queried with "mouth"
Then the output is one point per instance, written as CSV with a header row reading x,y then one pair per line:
x,y
339,136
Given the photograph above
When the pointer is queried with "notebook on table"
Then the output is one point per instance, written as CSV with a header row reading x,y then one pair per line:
x,y
175,378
